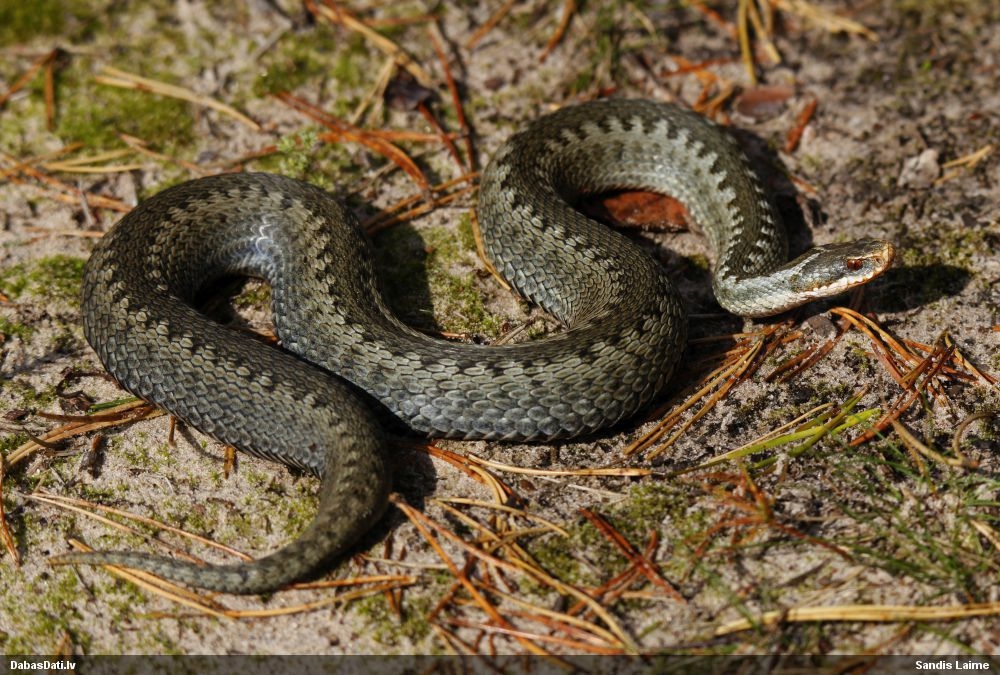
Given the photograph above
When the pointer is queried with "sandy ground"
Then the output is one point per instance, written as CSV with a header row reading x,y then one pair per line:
x,y
874,525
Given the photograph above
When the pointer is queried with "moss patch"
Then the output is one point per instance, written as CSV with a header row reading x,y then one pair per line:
x,y
57,277
449,297
24,21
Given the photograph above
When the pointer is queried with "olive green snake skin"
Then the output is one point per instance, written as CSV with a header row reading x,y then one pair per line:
x,y
301,405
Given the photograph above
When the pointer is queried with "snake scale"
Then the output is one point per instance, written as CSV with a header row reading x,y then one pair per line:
x,y
299,405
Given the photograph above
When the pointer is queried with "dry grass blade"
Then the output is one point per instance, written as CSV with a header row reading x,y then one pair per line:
x,y
916,445
743,34
417,205
808,428
600,471
114,77
386,584
182,596
94,163
549,525
988,532
567,619
824,18
956,441
139,146
866,613
534,638
329,11
968,162
87,508
57,189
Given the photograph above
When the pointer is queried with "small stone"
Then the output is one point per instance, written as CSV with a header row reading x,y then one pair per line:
x,y
921,171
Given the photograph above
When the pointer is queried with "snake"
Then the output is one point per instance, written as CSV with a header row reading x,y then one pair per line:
x,y
345,359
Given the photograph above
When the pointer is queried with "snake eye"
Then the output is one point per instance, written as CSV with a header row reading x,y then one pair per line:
x,y
854,264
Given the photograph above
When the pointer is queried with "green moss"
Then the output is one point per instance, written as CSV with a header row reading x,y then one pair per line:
x,y
45,610
57,277
27,395
386,627
641,514
97,114
445,264
10,329
314,56
21,22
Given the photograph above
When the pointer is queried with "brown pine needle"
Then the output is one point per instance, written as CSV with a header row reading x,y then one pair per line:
x,y
519,634
114,77
504,509
477,234
569,7
26,77
422,522
84,424
57,189
5,536
490,23
520,563
648,569
416,205
722,381
442,135
801,121
501,491
456,99
559,620
341,130
597,471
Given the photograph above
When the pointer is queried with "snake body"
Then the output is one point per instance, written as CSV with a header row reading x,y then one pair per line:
x,y
626,327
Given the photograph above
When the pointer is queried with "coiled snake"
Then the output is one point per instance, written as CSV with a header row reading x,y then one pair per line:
x,y
626,326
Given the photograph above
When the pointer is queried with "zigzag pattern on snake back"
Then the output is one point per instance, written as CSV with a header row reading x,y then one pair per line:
x,y
626,327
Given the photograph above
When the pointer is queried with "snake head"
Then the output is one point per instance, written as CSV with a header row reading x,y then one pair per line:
x,y
834,268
